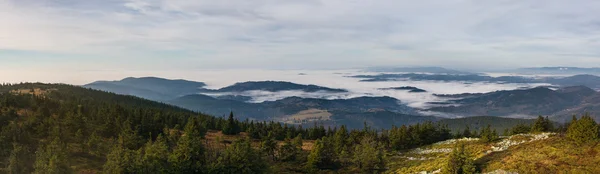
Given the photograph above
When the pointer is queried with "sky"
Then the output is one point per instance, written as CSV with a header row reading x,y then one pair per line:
x,y
78,37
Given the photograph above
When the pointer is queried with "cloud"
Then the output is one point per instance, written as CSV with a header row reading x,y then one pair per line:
x,y
307,33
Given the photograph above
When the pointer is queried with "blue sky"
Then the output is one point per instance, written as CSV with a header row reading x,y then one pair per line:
x,y
279,34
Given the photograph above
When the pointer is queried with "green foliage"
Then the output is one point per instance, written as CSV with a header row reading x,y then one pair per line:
x,y
188,155
268,146
459,162
241,158
584,130
52,158
340,139
520,129
121,160
407,137
369,156
19,160
231,127
155,156
323,155
487,135
542,124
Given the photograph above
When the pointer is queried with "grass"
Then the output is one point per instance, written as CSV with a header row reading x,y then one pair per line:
x,y
553,155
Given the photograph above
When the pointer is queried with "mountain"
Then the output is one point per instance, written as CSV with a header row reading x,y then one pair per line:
x,y
585,80
444,77
275,86
405,88
296,110
435,70
535,101
559,70
591,81
152,88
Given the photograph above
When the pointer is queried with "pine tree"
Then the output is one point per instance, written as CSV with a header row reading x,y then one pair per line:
x,y
155,156
52,158
231,127
467,132
541,124
369,156
288,151
459,162
120,160
19,160
487,135
584,130
341,139
322,156
240,157
269,146
188,155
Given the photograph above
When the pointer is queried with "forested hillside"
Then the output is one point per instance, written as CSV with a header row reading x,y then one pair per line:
x,y
55,128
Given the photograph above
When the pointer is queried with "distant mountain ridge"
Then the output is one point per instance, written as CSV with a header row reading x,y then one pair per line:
x,y
536,101
560,70
274,86
435,70
591,81
153,88
160,89
352,111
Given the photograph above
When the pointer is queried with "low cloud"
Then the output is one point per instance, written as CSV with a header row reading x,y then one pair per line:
x,y
338,79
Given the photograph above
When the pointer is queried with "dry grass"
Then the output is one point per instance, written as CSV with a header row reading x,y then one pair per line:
x,y
35,91
309,114
554,155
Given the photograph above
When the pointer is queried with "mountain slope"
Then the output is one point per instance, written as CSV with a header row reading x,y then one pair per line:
x,y
354,111
152,88
533,101
275,86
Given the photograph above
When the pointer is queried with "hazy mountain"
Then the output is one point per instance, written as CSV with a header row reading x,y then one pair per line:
x,y
535,101
584,79
435,70
274,86
559,70
443,77
405,88
152,88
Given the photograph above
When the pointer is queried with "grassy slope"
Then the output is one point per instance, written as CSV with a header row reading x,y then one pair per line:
x,y
552,155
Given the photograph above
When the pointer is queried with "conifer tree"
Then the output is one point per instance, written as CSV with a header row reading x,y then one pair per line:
x,y
20,160
369,156
322,156
155,156
231,127
240,157
584,130
52,158
269,146
459,162
188,155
